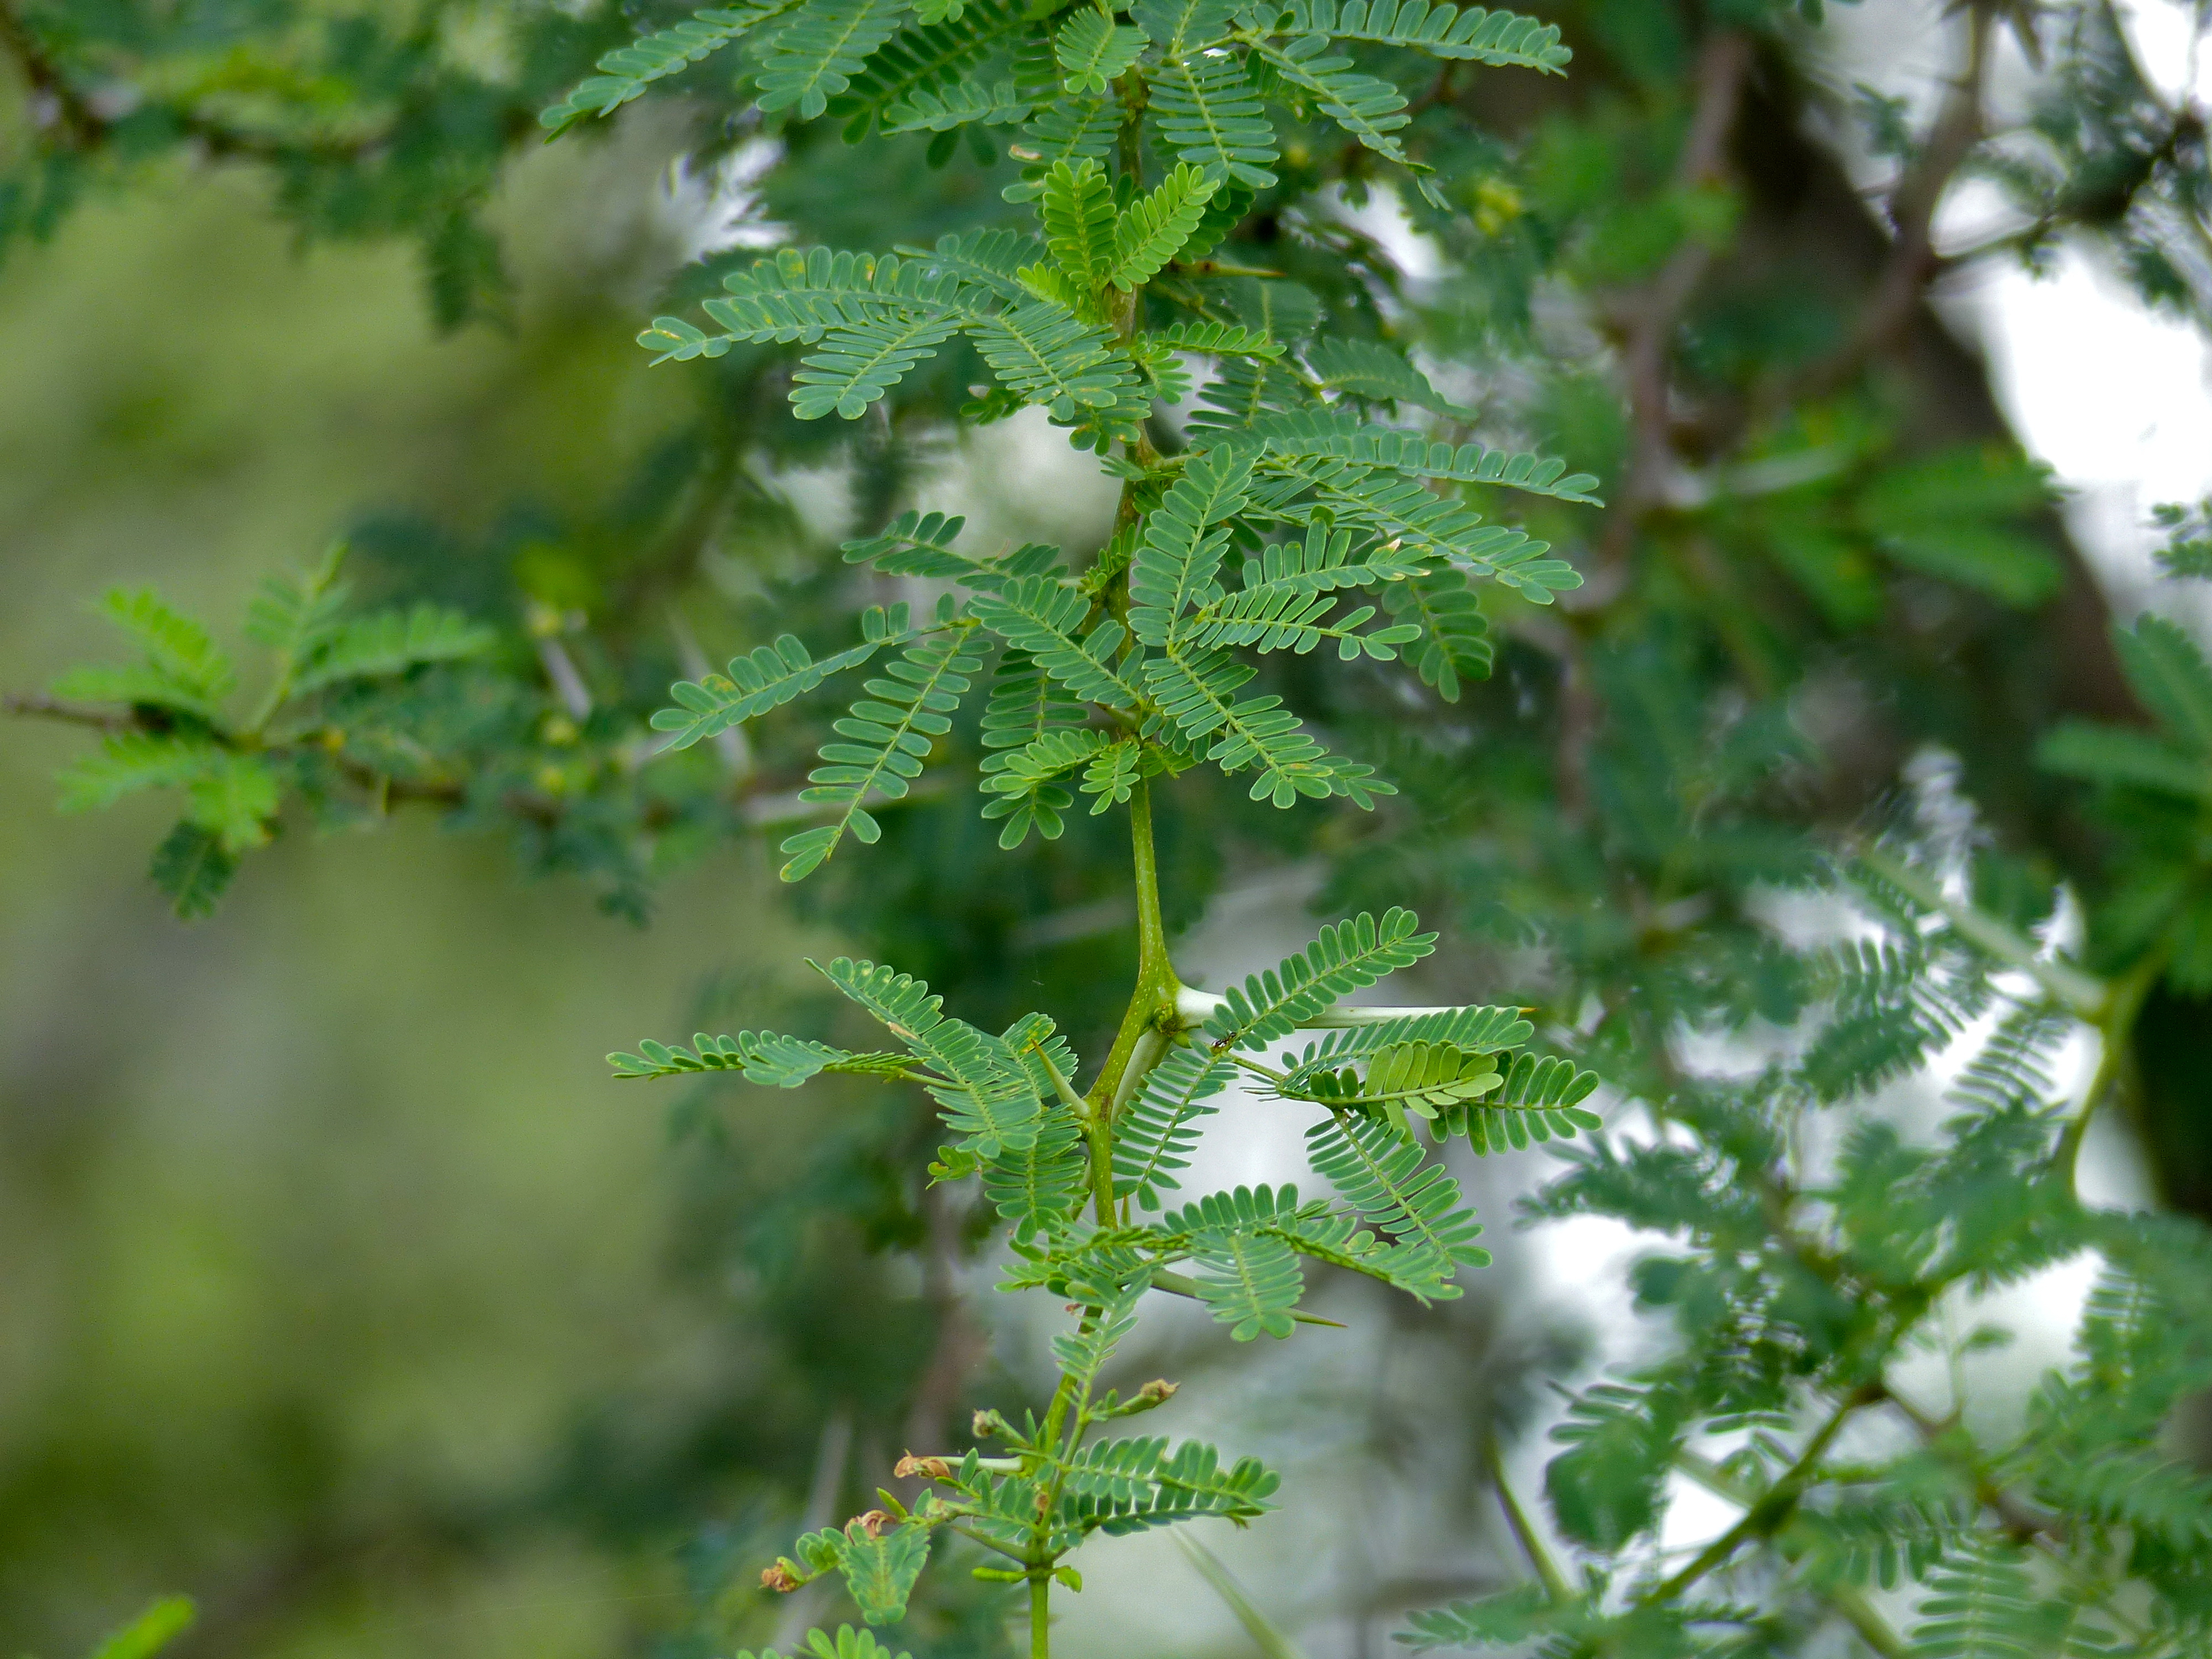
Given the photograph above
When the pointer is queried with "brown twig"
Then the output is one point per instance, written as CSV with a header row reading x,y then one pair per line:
x,y
37,705
1960,124
1651,316
2025,1525
84,128
1649,319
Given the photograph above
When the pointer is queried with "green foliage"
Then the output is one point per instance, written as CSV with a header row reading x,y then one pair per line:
x,y
815,56
986,1094
151,1630
847,1644
1248,1273
2154,786
1441,29
1382,1173
766,1058
310,736
1802,1285
1158,226
1618,807
2188,550
1158,1127
626,72
770,676
1044,1152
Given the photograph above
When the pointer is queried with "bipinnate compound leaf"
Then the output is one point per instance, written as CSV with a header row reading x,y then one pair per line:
x,y
815,56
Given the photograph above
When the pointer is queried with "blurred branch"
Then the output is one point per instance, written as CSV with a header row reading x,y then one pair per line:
x,y
1850,1602
84,127
1270,1641
38,705
832,1454
1652,315
1960,124
1524,1531
752,797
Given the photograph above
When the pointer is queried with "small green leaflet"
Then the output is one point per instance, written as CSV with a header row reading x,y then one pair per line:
x,y
767,1058
151,1630
1370,370
1094,49
1346,958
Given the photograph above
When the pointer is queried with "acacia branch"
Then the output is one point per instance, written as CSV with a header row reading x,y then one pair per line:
x,y
1960,124
84,128
1850,1602
39,706
751,798
1652,316
2024,1524
1765,1516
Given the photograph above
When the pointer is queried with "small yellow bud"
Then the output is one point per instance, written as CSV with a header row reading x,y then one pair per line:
x,y
1497,204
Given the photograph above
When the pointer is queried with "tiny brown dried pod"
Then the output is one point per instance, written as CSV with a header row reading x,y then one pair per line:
x,y
875,1523
779,1579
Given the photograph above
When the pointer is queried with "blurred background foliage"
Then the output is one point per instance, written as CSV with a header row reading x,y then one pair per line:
x,y
339,1285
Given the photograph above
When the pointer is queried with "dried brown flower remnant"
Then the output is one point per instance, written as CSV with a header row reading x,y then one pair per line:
x,y
779,1579
934,1469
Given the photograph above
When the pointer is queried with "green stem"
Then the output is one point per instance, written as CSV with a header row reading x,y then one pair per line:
x,y
1151,932
1151,1003
1175,1284
2114,1028
1040,1616
1763,1518
2080,993
1524,1534
1269,1640
1857,1610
